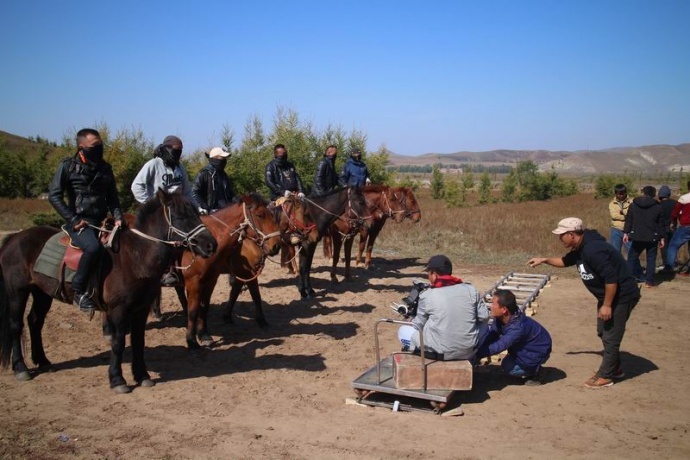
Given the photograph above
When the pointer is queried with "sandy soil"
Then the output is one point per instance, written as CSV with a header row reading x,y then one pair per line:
x,y
279,392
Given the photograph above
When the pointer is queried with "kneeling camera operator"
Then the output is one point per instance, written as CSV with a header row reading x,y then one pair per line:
x,y
449,311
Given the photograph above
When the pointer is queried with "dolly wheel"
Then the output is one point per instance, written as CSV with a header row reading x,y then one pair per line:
x,y
438,406
361,394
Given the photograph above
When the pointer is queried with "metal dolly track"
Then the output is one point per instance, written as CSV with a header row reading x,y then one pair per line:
x,y
525,286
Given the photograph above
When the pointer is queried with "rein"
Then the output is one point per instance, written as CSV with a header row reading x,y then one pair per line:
x,y
187,237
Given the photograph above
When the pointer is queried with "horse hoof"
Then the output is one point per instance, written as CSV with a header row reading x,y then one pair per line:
x,y
107,338
122,389
45,368
23,376
206,342
146,383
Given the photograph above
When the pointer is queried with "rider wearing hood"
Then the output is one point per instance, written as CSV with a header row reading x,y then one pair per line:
x,y
643,226
281,175
325,178
163,171
212,188
355,172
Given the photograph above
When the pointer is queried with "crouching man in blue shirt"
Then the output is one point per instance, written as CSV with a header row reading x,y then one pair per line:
x,y
527,342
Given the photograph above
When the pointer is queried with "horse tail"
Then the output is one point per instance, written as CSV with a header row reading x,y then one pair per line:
x,y
5,336
327,247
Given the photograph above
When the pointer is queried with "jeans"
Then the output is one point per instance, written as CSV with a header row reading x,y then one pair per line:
x,y
616,240
680,237
636,248
510,367
611,333
88,242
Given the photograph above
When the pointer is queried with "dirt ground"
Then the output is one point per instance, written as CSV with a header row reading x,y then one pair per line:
x,y
279,392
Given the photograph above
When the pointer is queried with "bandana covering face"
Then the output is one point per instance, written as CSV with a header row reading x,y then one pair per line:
x,y
93,154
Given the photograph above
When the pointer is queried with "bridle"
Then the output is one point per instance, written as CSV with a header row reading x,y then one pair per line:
x,y
408,213
259,239
187,241
296,226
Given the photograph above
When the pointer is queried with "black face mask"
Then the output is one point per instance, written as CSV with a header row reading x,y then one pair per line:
x,y
93,154
171,156
218,163
282,161
357,158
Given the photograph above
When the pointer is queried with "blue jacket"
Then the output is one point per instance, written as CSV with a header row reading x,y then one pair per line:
x,y
525,339
355,173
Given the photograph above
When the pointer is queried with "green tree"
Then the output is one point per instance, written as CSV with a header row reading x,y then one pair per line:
x,y
605,183
437,184
484,188
376,163
454,195
468,180
509,187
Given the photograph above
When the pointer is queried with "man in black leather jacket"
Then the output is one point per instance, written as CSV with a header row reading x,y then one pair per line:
x,y
89,184
281,176
325,177
212,188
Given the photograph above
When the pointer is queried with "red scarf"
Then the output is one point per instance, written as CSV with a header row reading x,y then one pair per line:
x,y
446,280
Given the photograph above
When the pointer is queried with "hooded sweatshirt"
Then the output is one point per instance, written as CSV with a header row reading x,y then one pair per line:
x,y
643,221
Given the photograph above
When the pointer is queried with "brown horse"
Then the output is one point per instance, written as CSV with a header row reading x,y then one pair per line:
x,y
246,233
347,205
295,226
383,202
367,236
165,224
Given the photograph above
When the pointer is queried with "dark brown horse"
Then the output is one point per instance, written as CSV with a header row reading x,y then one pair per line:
x,y
383,202
165,224
246,233
347,205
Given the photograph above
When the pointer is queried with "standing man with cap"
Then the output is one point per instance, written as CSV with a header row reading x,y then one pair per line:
x,y
325,177
212,188
281,176
355,172
605,274
451,315
164,171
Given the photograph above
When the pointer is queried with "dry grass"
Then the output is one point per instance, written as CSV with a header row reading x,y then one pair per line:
x,y
15,214
495,234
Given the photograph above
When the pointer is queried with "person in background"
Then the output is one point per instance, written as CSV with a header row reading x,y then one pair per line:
x,y
325,177
281,176
644,229
680,222
605,274
89,185
164,171
212,188
618,208
355,172
527,342
667,204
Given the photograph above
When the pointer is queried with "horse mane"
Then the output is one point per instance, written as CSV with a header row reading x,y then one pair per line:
x,y
6,239
254,197
151,206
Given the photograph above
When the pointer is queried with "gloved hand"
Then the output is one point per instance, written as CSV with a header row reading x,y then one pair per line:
x,y
202,211
287,193
80,225
300,195
368,181
119,224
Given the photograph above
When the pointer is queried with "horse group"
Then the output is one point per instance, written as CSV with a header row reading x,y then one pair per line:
x,y
236,240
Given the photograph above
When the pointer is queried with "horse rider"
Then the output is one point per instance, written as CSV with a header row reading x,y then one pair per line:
x,y
212,188
355,172
164,171
281,176
325,177
89,183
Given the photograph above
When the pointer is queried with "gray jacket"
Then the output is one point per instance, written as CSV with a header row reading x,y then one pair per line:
x,y
451,318
154,175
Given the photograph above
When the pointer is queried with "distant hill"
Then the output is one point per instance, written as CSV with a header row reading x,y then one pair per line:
x,y
662,158
13,143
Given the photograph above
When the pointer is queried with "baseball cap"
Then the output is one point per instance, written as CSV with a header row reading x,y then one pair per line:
x,y
569,224
664,191
440,264
218,152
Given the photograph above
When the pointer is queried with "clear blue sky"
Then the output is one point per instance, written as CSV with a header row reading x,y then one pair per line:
x,y
417,76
